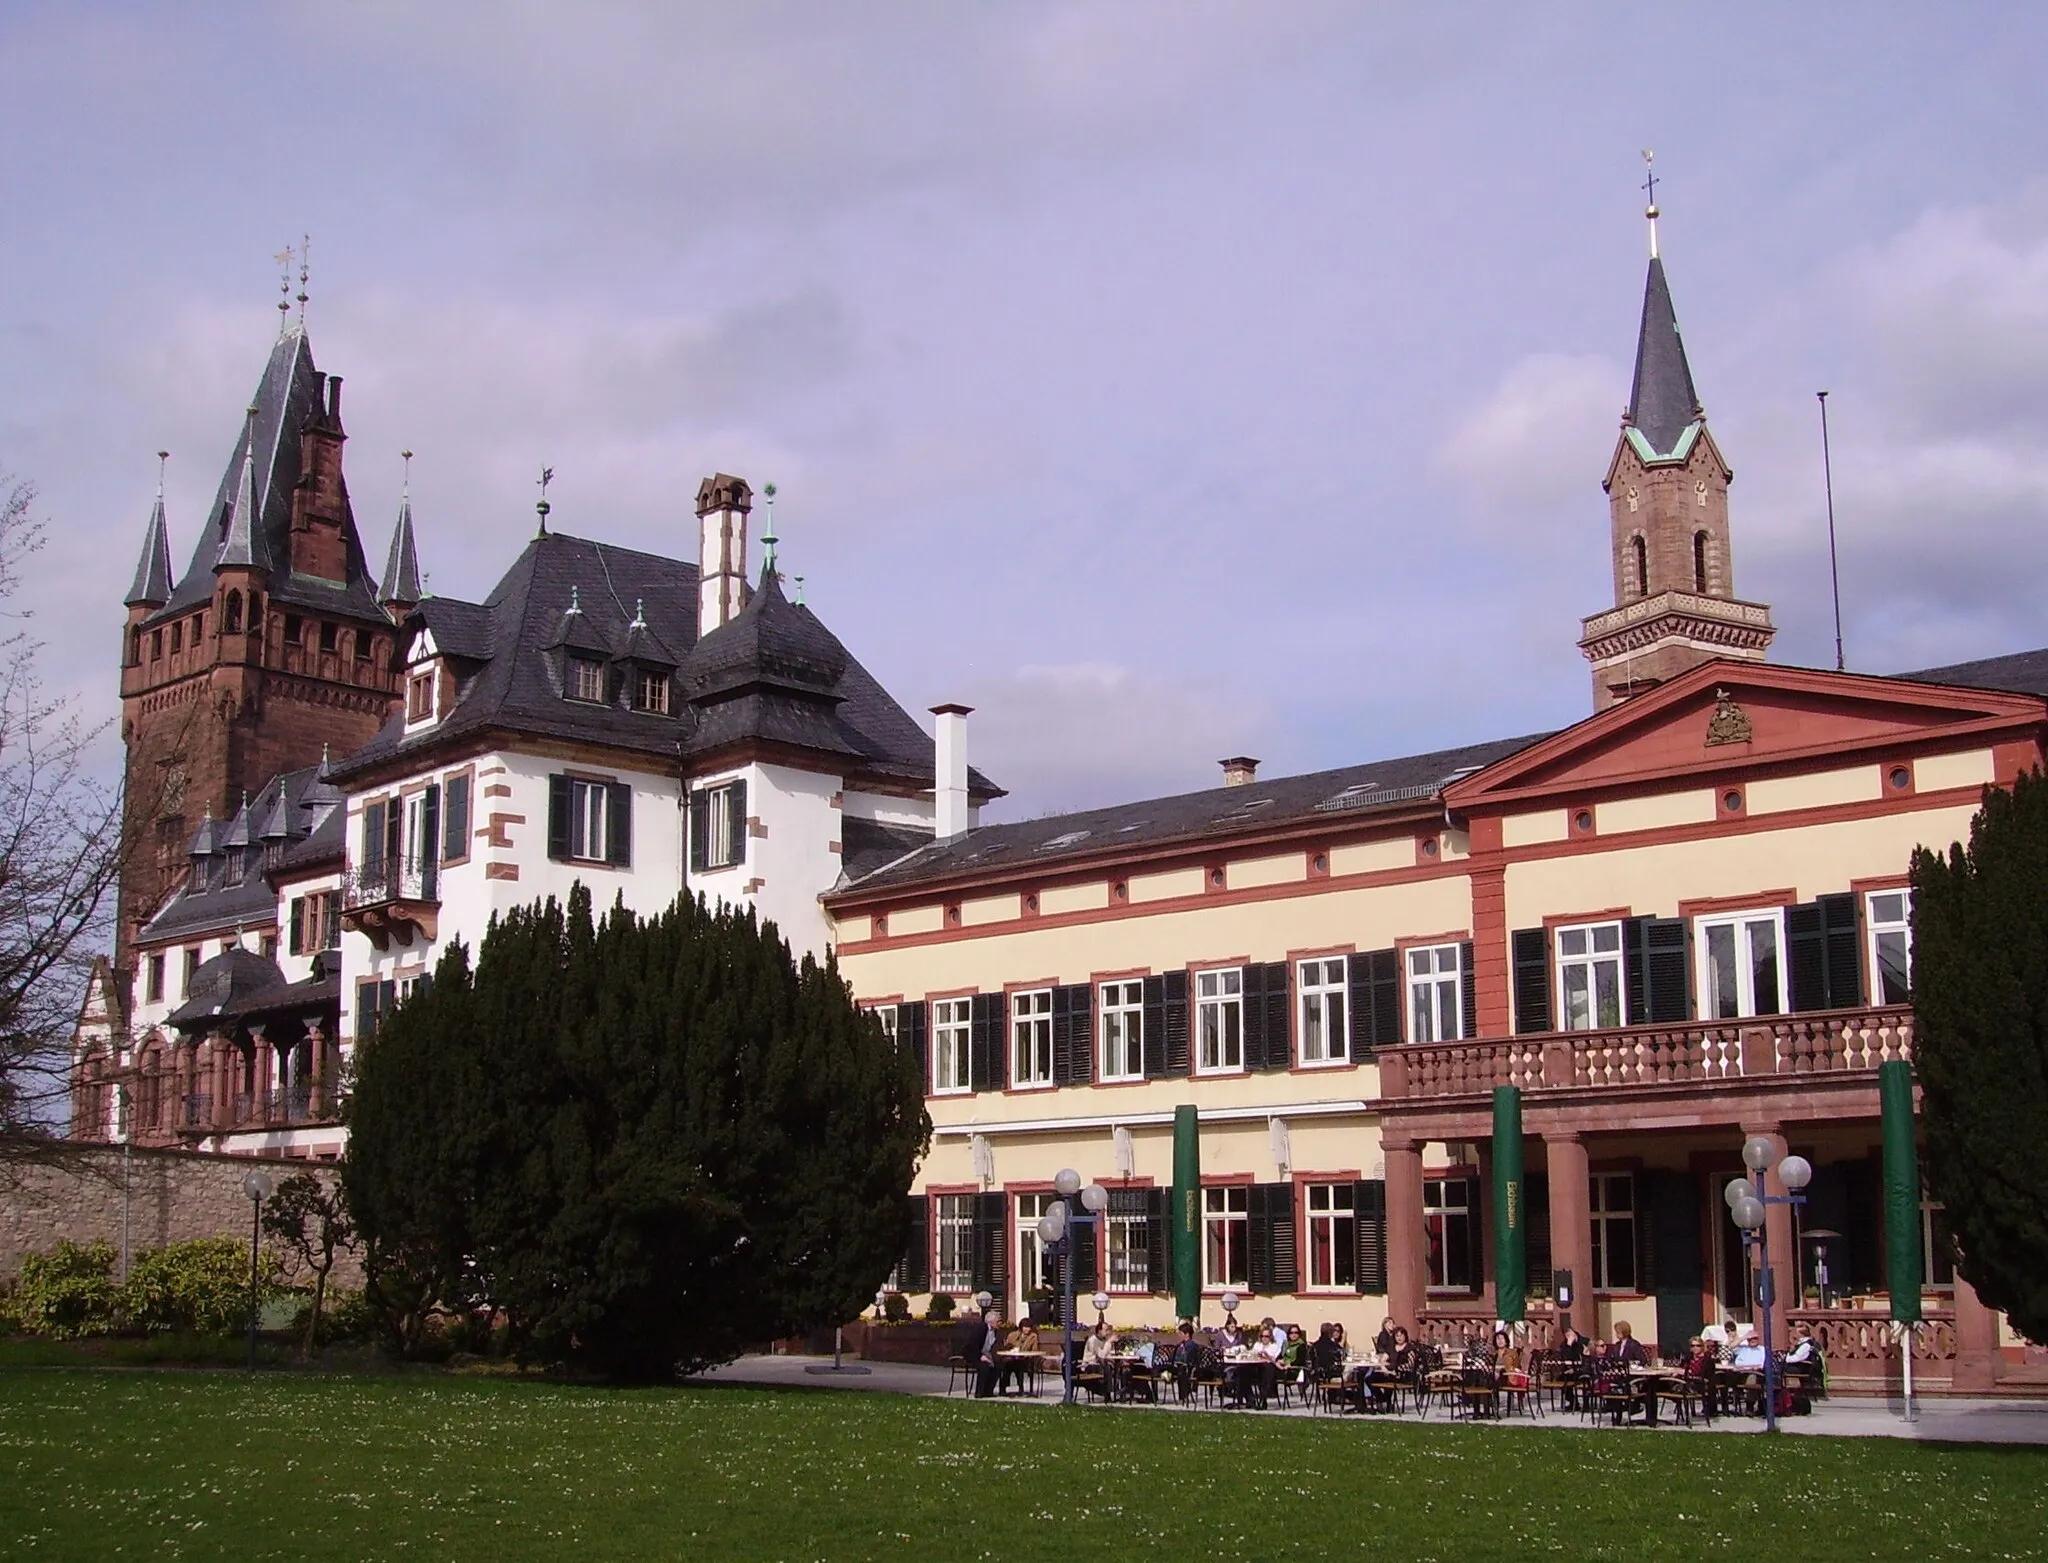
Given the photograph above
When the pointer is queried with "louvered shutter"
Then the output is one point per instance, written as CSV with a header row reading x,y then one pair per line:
x,y
1158,1257
1153,1043
1369,1235
1087,1237
394,830
1179,1057
1265,1015
1468,991
736,824
991,1244
1807,935
1081,1032
1844,951
1536,1231
619,823
915,1269
1272,1266
1654,955
425,850
296,943
455,820
1375,982
1532,980
987,1031
558,818
913,1037
1254,1012
700,830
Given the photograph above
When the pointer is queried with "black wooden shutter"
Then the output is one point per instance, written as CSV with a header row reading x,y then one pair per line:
x,y
296,944
1254,1014
455,819
1468,991
394,830
736,823
1844,950
1369,1235
1086,1237
987,1033
915,1271
425,849
991,1244
1375,982
1158,1258
700,830
1826,973
1153,1042
619,822
1655,957
1073,1048
1269,1000
1532,980
1536,1232
1179,1057
558,818
914,1039
1272,1264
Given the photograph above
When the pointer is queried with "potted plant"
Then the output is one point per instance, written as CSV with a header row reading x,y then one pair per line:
x,y
940,1308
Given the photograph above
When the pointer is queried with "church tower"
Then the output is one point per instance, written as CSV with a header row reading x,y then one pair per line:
x,y
271,648
1667,493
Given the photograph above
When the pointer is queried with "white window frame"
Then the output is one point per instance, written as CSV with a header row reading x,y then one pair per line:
x,y
1031,1040
1034,1259
1589,962
1325,990
589,821
886,1014
718,832
1743,925
1930,1250
1127,1265
1226,1206
579,667
647,684
1121,1005
422,713
1607,1219
953,1222
1877,930
1436,991
951,1020
1332,1215
1441,1213
1219,1021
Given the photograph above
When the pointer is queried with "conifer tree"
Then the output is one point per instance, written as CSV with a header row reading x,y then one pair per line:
x,y
1980,1036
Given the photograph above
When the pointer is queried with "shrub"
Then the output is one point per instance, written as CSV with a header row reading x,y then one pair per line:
x,y
895,1307
940,1307
348,1316
68,1292
198,1287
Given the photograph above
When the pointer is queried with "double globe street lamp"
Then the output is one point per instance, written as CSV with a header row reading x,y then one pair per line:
x,y
1059,1229
1748,1207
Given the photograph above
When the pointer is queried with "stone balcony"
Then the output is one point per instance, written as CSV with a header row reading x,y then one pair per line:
x,y
391,899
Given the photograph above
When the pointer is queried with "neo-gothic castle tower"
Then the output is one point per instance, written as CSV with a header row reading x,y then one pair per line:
x,y
275,645
1667,488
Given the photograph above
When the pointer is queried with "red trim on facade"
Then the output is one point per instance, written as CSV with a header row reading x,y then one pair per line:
x,y
1715,905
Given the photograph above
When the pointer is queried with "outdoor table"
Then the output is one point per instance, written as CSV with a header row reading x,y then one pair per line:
x,y
1026,1364
1249,1374
1644,1380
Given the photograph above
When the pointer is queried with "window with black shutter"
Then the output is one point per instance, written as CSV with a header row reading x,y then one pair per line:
x,y
373,835
914,1269
1158,1229
455,819
427,848
1268,1040
987,1035
1369,1229
1827,972
1173,1055
1536,1233
718,826
991,1242
1273,1266
1073,1034
619,852
1468,991
1531,948
1658,976
558,818
1375,1002
912,1037
1086,1236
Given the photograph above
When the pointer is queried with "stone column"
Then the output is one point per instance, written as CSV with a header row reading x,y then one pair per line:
x,y
1571,1224
263,1078
1778,1226
1407,1242
186,1064
223,1081
1977,1355
316,1044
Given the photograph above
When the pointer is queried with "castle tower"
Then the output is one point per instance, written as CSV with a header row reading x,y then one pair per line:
x,y
1667,493
269,649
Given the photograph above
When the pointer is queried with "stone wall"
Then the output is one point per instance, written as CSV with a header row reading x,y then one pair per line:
x,y
169,1195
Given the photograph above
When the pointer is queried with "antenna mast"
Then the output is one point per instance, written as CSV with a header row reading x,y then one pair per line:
x,y
1827,468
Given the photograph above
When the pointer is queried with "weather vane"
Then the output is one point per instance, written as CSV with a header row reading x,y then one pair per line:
x,y
406,457
547,476
305,263
284,284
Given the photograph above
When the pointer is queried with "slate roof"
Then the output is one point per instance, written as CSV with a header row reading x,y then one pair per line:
x,y
287,399
152,585
2020,673
233,976
1193,816
402,559
295,823
774,674
1662,402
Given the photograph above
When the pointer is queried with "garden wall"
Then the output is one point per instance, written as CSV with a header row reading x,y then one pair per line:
x,y
79,1192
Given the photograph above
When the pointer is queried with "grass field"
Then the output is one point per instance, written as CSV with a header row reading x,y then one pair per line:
x,y
99,1465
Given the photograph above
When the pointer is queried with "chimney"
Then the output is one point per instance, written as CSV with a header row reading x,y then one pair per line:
x,y
1240,770
949,790
723,503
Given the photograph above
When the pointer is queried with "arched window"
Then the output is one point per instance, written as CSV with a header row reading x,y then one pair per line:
x,y
1639,566
135,647
1699,561
231,615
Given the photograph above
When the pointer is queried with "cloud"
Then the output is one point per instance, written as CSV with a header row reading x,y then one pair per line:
x,y
1538,440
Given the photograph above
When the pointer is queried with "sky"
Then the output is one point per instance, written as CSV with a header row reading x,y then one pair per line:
x,y
1166,380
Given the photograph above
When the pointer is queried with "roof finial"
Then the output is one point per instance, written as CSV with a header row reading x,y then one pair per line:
x,y
1650,184
547,476
575,600
799,591
768,537
284,286
305,259
162,460
405,490
639,614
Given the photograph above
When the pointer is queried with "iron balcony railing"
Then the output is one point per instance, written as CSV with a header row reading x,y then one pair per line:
x,y
385,880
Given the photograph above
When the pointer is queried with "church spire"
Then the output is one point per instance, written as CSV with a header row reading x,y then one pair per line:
x,y
402,563
1662,404
152,588
238,542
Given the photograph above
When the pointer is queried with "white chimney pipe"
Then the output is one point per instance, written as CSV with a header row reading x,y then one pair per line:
x,y
723,504
949,789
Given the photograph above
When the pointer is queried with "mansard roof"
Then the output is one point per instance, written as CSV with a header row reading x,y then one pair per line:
x,y
257,532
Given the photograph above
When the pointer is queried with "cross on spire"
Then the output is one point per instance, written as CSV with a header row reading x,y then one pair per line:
x,y
547,476
1650,184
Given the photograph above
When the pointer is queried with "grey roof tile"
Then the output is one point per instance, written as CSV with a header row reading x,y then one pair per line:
x,y
2020,673
1662,402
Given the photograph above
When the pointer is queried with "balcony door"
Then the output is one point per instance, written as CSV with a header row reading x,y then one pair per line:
x,y
422,859
1740,961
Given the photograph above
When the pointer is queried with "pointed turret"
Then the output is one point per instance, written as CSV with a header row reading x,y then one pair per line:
x,y
152,588
402,563
238,526
1662,403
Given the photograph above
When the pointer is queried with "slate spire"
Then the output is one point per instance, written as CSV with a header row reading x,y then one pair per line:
x,y
1663,402
402,563
238,541
152,588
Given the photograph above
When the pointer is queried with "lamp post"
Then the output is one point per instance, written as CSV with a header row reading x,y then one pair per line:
x,y
1747,1204
1056,1229
257,1186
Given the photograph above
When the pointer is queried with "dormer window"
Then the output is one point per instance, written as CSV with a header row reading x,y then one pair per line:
x,y
586,680
235,868
419,696
650,692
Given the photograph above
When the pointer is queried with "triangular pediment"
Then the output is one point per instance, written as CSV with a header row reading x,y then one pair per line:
x,y
1727,716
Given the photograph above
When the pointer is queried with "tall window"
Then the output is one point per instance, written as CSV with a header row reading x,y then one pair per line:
x,y
586,680
1937,1247
954,1219
1639,566
1219,1020
1699,562
1123,1031
1453,1249
1031,1038
588,802
330,638
1589,975
1889,915
191,969
419,696
1332,1237
1035,1269
155,990
886,1014
1739,964
949,1045
1226,1236
1324,1039
1613,1199
1130,1240
1436,993
720,830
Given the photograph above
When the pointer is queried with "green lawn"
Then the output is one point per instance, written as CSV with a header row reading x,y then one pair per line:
x,y
98,1465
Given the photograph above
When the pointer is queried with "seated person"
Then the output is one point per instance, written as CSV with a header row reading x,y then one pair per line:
x,y
1404,1359
1383,1343
1805,1349
1101,1346
1188,1360
1571,1347
1326,1355
1024,1338
1229,1335
1627,1351
1337,1334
